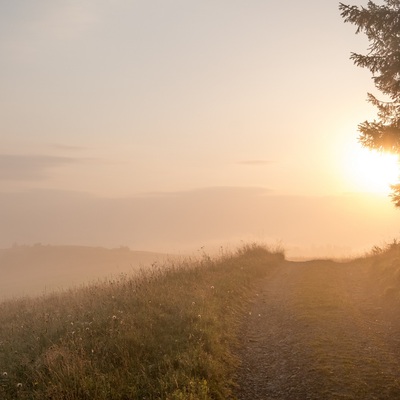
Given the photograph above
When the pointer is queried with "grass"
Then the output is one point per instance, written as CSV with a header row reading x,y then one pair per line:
x,y
169,333
382,270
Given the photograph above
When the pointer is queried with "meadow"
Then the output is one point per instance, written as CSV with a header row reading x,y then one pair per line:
x,y
195,329
170,332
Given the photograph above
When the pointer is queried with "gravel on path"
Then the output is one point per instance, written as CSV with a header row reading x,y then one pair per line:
x,y
315,332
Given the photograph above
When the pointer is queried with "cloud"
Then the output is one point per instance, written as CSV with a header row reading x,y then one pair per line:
x,y
64,147
213,191
29,167
254,162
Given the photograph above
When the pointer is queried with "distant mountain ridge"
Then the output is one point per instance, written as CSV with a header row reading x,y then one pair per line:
x,y
34,270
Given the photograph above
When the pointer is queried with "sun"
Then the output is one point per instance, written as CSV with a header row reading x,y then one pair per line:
x,y
373,171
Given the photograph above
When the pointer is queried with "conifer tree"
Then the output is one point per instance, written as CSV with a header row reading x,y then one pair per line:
x,y
381,24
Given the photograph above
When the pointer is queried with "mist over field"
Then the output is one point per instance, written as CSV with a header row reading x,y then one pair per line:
x,y
42,269
55,240
185,221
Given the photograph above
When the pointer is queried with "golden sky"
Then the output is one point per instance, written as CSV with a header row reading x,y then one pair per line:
x,y
144,102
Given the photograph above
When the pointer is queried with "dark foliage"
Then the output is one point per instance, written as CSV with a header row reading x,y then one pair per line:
x,y
381,24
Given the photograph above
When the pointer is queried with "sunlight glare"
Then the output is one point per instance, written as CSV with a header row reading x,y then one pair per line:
x,y
373,171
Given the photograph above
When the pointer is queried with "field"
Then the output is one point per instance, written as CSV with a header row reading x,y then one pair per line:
x,y
245,325
169,333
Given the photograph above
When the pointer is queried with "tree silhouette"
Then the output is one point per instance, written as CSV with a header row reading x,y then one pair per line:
x,y
381,24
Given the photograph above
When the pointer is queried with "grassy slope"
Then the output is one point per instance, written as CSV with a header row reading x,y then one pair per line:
x,y
168,334
381,268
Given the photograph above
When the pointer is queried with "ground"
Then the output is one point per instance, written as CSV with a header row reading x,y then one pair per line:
x,y
317,330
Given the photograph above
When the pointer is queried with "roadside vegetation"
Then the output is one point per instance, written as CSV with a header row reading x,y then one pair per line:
x,y
167,333
382,270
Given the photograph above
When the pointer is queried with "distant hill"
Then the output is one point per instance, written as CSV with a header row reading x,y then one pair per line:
x,y
33,270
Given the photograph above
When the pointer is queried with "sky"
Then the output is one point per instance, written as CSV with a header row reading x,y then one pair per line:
x,y
168,125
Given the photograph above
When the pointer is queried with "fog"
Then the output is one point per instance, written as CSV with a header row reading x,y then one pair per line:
x,y
53,240
185,221
42,269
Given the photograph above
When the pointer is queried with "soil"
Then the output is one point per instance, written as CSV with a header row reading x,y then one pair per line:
x,y
316,330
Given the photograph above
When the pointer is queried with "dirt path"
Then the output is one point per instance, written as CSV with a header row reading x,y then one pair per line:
x,y
315,332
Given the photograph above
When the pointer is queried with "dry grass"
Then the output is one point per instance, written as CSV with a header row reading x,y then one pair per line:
x,y
167,334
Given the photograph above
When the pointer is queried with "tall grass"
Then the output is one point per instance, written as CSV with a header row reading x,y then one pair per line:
x,y
168,333
382,267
